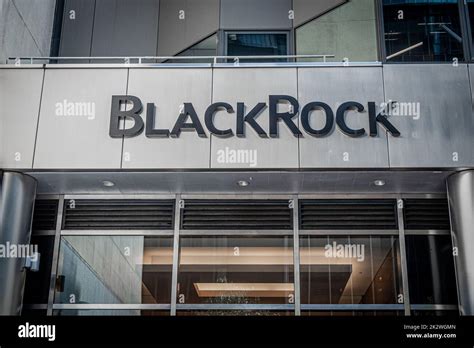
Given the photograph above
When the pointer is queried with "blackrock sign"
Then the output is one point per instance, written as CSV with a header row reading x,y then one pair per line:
x,y
188,119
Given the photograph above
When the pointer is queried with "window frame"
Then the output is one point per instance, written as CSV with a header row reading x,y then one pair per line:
x,y
226,33
467,44
295,232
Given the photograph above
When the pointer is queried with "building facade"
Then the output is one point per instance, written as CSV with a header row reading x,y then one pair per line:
x,y
237,157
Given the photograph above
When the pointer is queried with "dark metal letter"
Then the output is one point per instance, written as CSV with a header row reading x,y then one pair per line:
x,y
287,117
329,119
150,131
209,119
382,119
341,121
250,119
117,115
181,124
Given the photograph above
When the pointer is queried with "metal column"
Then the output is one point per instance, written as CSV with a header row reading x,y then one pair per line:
x,y
17,199
461,208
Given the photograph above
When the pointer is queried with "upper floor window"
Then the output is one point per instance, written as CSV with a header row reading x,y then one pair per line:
x,y
425,31
257,44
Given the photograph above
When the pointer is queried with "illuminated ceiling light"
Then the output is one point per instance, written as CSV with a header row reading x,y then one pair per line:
x,y
243,183
379,183
108,183
244,289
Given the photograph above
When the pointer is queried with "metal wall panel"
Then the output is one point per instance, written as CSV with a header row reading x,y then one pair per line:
x,y
442,136
125,28
78,140
251,14
335,86
20,93
169,89
253,86
76,34
181,30
306,10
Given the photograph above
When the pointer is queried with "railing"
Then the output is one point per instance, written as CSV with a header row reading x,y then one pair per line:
x,y
163,59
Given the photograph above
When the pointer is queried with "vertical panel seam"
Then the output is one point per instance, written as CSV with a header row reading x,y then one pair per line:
x,y
38,120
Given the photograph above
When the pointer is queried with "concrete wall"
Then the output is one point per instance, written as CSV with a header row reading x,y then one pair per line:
x,y
25,28
348,31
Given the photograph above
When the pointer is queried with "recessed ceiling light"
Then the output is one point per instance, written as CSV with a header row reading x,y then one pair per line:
x,y
108,183
379,183
243,183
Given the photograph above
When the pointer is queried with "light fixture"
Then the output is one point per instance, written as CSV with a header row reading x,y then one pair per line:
x,y
244,289
243,183
379,183
108,183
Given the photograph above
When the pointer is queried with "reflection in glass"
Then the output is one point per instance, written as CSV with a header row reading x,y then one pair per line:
x,y
115,312
445,313
243,313
352,314
470,7
115,269
431,270
422,30
236,270
257,44
349,270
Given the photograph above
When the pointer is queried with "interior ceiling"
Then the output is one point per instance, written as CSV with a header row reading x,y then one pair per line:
x,y
262,182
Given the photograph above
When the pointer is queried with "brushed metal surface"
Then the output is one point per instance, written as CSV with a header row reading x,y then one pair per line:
x,y
17,197
20,93
253,86
442,137
169,89
69,142
335,86
461,204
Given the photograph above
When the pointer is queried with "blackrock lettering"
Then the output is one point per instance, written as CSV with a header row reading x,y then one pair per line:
x,y
188,119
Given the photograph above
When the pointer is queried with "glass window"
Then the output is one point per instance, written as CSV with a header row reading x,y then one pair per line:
x,y
257,44
431,270
352,314
115,270
350,270
470,8
347,32
236,270
427,30
111,312
444,313
242,313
